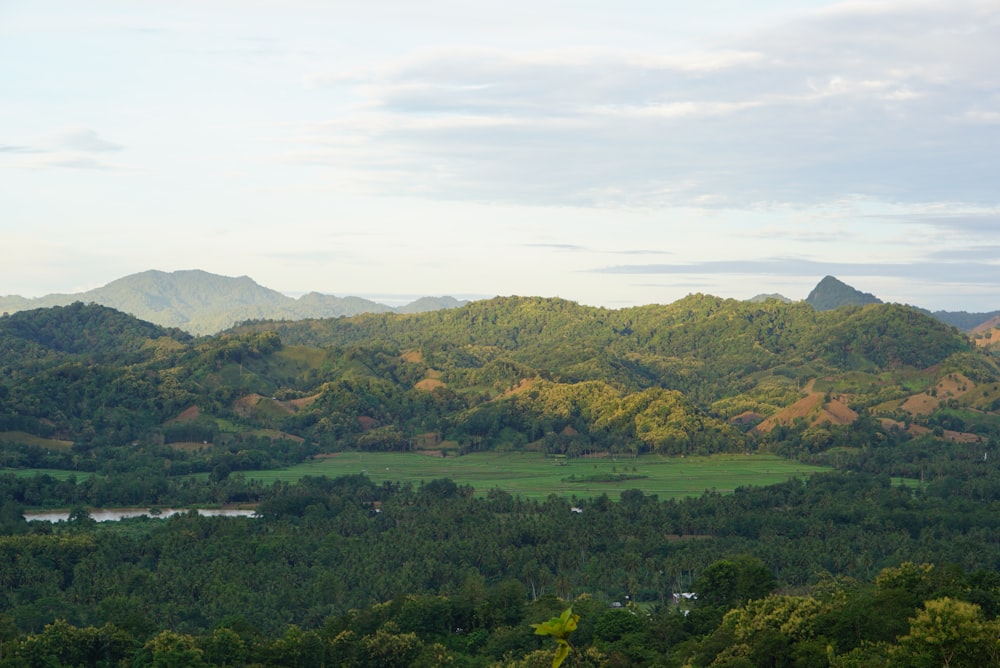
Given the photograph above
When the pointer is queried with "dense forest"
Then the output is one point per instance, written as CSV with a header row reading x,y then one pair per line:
x,y
847,568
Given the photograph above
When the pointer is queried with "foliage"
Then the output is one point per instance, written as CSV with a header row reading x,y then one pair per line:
x,y
356,571
516,373
559,628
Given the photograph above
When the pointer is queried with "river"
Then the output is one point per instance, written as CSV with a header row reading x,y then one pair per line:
x,y
115,514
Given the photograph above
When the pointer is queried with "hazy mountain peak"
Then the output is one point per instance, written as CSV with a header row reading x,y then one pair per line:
x,y
831,293
200,302
761,298
430,304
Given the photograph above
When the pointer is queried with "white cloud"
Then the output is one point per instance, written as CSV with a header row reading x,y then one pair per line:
x,y
719,131
855,100
71,148
85,140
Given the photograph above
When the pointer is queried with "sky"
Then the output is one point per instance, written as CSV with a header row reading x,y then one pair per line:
x,y
613,154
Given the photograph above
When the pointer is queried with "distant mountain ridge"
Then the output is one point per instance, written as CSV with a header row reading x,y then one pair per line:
x,y
761,298
201,303
831,293
968,322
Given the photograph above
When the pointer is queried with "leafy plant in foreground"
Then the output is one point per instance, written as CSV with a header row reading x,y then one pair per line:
x,y
559,628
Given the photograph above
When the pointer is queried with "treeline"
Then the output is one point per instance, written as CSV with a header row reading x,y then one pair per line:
x,y
912,616
807,573
346,543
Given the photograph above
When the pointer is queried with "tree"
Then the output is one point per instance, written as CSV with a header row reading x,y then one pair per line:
x,y
949,633
174,650
730,582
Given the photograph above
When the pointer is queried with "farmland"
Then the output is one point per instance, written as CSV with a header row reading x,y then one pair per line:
x,y
533,476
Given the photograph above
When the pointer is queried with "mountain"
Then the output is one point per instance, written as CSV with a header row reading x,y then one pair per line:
x,y
967,322
761,298
430,304
203,303
831,293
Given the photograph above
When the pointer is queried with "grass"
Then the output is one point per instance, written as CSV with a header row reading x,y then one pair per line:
x,y
532,475
30,439
535,476
58,474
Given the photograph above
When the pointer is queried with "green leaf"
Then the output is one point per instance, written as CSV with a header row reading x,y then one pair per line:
x,y
561,653
558,627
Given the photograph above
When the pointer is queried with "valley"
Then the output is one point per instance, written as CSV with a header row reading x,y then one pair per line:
x,y
485,467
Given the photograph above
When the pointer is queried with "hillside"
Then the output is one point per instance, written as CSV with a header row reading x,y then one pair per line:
x,y
832,293
692,377
968,322
203,303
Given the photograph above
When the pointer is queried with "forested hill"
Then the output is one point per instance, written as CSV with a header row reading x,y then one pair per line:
x,y
93,332
643,345
701,375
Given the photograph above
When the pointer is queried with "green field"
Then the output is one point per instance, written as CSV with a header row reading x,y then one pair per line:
x,y
532,475
58,474
535,476
30,439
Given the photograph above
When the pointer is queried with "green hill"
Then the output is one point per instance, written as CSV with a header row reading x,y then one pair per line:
x,y
512,372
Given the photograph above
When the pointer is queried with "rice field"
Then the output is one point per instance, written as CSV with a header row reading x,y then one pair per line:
x,y
533,475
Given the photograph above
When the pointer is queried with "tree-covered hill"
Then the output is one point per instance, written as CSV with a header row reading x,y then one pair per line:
x,y
514,372
649,345
89,331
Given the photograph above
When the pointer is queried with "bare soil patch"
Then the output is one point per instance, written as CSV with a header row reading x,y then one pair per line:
x,y
814,409
188,446
951,386
244,405
188,414
954,385
525,384
920,404
429,384
367,422
276,435
840,412
746,418
303,402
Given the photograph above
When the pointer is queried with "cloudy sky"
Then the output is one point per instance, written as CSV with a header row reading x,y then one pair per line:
x,y
609,153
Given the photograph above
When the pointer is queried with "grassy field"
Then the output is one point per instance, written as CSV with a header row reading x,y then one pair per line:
x,y
30,439
532,475
58,474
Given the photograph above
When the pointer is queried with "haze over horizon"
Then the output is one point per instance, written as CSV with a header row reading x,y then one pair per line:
x,y
608,155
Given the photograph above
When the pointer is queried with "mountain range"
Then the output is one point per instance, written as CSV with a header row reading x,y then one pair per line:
x,y
203,303
831,293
